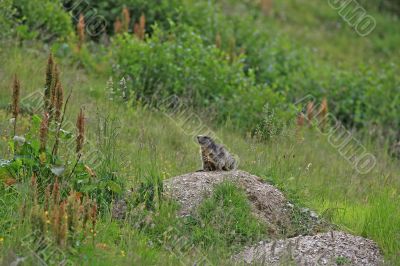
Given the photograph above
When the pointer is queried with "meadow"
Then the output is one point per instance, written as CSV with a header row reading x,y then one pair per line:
x,y
240,71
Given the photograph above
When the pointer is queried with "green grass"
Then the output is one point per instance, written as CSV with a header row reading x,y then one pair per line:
x,y
225,219
310,173
317,26
148,144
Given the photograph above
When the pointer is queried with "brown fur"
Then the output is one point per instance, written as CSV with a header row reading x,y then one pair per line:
x,y
215,157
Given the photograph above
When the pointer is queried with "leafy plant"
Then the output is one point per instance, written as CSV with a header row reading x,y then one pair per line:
x,y
46,20
178,63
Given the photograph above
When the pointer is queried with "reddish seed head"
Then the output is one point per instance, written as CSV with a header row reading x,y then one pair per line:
x,y
80,125
44,129
16,96
300,120
81,31
310,112
127,18
323,112
59,101
117,26
142,24
49,81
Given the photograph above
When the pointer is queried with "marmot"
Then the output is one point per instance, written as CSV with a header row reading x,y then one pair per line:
x,y
214,156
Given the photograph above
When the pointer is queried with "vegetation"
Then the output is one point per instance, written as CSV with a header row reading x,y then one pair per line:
x,y
87,124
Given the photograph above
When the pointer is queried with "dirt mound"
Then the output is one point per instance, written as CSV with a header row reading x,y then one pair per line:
x,y
267,202
270,205
333,248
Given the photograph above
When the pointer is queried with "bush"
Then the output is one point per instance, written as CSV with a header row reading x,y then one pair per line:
x,y
155,11
6,18
42,19
179,63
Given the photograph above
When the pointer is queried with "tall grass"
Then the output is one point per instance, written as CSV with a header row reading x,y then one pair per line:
x,y
309,171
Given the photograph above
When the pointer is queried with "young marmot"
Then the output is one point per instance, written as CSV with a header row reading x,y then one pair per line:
x,y
214,156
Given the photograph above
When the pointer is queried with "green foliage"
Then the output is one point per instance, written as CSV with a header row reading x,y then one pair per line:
x,y
293,71
178,63
45,20
155,11
7,21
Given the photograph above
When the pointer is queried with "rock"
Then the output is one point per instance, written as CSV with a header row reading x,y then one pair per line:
x,y
267,202
120,206
119,209
332,248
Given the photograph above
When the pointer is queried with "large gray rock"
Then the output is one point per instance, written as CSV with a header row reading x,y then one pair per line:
x,y
332,248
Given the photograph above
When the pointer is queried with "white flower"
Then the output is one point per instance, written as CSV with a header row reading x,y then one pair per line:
x,y
19,140
58,170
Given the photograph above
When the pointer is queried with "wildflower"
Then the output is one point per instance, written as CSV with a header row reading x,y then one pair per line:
x,y
49,80
323,113
44,129
102,246
34,187
136,30
53,96
59,100
80,125
110,87
56,193
117,26
140,28
123,88
142,23
122,253
19,140
1,240
15,100
300,120
57,170
310,114
126,18
80,27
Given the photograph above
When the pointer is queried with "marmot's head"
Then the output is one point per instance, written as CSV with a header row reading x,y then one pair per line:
x,y
204,140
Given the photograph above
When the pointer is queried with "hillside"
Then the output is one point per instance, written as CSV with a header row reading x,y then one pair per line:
x,y
235,72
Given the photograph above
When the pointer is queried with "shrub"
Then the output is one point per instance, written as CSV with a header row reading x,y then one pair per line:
x,y
7,21
179,63
45,20
155,11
